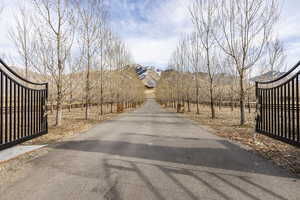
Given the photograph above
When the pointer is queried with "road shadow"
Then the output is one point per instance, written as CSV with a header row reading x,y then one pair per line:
x,y
232,157
198,178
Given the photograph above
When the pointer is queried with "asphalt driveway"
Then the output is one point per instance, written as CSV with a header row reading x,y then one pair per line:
x,y
149,154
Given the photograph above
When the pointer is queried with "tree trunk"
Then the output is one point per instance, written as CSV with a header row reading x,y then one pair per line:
x,y
212,103
189,107
197,97
58,117
59,84
51,107
101,99
87,83
86,111
242,101
249,106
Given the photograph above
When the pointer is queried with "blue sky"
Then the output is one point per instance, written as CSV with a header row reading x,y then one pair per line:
x,y
151,28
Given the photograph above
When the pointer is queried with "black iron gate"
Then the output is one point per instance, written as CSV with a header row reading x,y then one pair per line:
x,y
278,107
22,108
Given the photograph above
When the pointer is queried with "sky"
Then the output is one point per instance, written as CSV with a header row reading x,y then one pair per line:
x,y
151,28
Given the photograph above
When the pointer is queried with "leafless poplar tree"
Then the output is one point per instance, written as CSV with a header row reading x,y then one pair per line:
x,y
245,26
55,24
102,64
275,55
72,77
90,28
111,40
22,35
195,61
204,18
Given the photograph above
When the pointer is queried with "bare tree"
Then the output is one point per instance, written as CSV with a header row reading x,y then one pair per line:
x,y
111,41
186,85
245,26
275,55
122,59
102,45
195,59
182,69
55,25
22,35
204,18
92,20
72,77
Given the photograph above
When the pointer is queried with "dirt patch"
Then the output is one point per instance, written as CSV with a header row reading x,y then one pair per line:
x,y
227,125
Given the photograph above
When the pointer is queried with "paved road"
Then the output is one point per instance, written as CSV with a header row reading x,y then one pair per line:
x,y
150,154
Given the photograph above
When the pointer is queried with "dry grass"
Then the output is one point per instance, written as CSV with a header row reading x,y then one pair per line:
x,y
227,125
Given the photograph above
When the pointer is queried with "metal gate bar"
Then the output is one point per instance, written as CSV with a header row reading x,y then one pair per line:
x,y
278,107
22,108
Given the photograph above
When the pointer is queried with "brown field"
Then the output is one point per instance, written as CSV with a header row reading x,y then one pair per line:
x,y
227,125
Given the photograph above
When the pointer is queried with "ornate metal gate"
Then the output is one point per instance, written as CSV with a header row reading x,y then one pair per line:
x,y
22,108
278,107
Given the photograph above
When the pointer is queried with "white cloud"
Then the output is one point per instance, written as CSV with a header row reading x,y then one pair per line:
x,y
148,51
7,21
165,23
152,33
293,54
153,36
289,32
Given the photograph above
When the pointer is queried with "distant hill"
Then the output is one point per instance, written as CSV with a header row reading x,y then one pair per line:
x,y
148,74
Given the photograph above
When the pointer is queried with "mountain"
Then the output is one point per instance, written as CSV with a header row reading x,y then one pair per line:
x,y
148,74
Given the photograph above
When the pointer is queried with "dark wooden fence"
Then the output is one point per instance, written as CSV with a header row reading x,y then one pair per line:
x,y
22,108
278,107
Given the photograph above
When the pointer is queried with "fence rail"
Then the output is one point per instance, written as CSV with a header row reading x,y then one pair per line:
x,y
278,107
22,108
